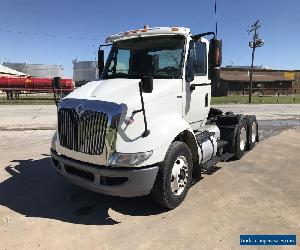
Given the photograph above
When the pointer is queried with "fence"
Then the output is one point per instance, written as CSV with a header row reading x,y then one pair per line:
x,y
268,95
267,91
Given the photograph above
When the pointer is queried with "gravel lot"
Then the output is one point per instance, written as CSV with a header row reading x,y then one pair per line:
x,y
265,111
24,117
39,209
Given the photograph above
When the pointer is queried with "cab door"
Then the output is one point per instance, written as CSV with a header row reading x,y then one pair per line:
x,y
197,85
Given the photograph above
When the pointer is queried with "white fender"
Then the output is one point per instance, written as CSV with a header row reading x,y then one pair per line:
x,y
159,139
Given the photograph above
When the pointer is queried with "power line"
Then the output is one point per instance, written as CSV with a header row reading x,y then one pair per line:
x,y
47,35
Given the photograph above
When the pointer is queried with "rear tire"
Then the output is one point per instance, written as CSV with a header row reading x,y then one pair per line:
x,y
174,176
252,131
240,140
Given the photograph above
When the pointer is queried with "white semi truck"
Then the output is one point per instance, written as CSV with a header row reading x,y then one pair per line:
x,y
146,126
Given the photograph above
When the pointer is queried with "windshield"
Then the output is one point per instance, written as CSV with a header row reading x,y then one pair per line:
x,y
159,57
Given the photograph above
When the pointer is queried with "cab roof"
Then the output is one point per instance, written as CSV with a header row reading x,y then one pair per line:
x,y
156,31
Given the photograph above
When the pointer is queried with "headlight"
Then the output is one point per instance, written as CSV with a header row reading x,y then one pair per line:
x,y
53,147
128,160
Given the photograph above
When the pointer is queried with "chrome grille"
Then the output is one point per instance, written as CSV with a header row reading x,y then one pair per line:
x,y
82,131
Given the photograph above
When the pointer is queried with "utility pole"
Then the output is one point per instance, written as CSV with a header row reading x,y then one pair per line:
x,y
256,42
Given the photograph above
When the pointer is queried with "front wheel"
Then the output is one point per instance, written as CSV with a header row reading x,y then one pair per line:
x,y
174,177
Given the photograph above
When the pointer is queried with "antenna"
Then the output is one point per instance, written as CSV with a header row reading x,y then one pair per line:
x,y
216,18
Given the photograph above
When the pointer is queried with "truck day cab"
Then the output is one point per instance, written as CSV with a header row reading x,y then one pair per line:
x,y
146,127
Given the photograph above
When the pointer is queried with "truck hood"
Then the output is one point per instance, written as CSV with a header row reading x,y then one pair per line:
x,y
123,91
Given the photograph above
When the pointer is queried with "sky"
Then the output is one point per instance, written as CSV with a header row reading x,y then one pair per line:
x,y
65,30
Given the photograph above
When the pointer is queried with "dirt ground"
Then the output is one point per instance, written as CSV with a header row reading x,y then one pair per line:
x,y
41,210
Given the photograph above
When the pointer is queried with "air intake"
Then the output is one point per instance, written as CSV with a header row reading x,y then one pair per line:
x,y
82,131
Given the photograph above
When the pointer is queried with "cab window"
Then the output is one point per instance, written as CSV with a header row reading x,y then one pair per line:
x,y
197,58
201,58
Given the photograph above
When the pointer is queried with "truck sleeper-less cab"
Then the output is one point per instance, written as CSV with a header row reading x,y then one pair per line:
x,y
146,126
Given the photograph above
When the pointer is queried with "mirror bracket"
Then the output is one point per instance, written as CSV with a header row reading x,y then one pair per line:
x,y
145,85
194,85
56,85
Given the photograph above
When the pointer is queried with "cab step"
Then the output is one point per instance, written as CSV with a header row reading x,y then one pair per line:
x,y
210,165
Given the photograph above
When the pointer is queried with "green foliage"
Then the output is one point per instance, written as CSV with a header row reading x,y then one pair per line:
x,y
256,99
38,99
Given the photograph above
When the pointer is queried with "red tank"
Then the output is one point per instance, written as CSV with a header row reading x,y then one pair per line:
x,y
33,84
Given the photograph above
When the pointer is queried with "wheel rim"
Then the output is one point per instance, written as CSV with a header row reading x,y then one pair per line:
x,y
243,138
179,176
253,129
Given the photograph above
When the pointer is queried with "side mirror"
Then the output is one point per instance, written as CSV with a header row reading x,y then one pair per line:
x,y
214,74
147,84
215,53
100,61
56,83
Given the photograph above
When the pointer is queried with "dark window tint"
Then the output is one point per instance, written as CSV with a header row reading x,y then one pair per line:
x,y
190,59
201,58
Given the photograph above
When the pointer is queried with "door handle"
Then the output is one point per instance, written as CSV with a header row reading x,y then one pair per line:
x,y
194,85
206,100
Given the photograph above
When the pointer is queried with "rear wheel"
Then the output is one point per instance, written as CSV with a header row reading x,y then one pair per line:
x,y
174,177
240,140
252,135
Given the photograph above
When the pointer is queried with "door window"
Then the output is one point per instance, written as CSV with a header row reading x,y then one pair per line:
x,y
201,58
190,65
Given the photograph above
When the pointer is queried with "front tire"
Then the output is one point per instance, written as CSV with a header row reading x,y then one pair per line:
x,y
174,176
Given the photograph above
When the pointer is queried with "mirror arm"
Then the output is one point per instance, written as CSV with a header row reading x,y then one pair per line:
x,y
146,132
56,85
198,36
137,111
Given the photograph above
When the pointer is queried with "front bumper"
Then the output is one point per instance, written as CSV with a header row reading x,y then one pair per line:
x,y
112,181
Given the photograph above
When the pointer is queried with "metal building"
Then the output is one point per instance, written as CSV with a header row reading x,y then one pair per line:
x,y
37,70
84,71
7,72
